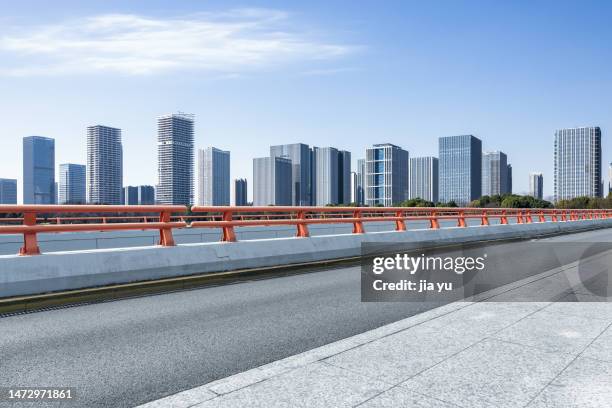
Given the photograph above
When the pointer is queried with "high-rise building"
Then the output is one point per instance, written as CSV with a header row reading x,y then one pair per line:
x,y
146,195
460,166
272,181
386,175
424,178
72,183
175,154
38,170
213,177
104,165
610,179
577,163
344,177
354,186
130,195
536,185
240,192
301,172
8,191
360,190
325,175
494,173
509,179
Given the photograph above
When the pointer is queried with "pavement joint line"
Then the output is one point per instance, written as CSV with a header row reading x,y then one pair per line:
x,y
568,364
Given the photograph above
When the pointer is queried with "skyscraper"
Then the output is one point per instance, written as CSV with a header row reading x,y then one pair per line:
x,y
354,188
104,165
130,195
8,191
460,162
38,170
213,177
299,154
240,192
271,181
72,183
325,175
386,175
610,179
175,159
424,178
360,200
494,173
344,177
577,163
146,195
509,179
536,185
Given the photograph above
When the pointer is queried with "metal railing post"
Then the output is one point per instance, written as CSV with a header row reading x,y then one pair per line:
x,y
461,219
528,218
30,241
302,227
484,219
165,234
357,225
228,231
503,220
433,221
400,225
541,217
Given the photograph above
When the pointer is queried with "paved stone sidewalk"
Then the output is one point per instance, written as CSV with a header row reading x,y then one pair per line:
x,y
464,354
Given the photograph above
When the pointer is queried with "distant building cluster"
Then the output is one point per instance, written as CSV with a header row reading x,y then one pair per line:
x,y
298,174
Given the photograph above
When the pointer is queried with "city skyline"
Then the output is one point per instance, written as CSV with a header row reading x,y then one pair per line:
x,y
350,97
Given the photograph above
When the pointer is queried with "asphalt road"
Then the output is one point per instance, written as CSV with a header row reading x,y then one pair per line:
x,y
128,352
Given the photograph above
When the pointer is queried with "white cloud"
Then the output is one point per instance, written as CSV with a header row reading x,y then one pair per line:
x,y
231,42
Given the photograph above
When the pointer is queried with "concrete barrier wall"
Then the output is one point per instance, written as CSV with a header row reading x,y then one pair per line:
x,y
56,271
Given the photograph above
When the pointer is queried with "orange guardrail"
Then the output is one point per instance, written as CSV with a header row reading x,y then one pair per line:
x,y
226,218
30,227
301,217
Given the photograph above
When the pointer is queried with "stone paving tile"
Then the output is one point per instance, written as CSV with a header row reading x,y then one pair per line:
x,y
586,383
315,385
601,348
402,397
589,309
183,399
399,356
491,373
554,331
483,319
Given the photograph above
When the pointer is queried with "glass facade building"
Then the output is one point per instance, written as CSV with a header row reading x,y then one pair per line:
x,y
536,185
494,173
424,178
72,183
240,192
38,170
360,183
344,177
386,175
577,163
460,167
325,175
213,177
104,165
8,191
272,181
175,156
301,173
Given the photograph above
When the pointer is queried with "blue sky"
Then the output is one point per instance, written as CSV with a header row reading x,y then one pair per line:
x,y
343,73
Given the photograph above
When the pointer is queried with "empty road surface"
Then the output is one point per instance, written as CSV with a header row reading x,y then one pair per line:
x,y
128,352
